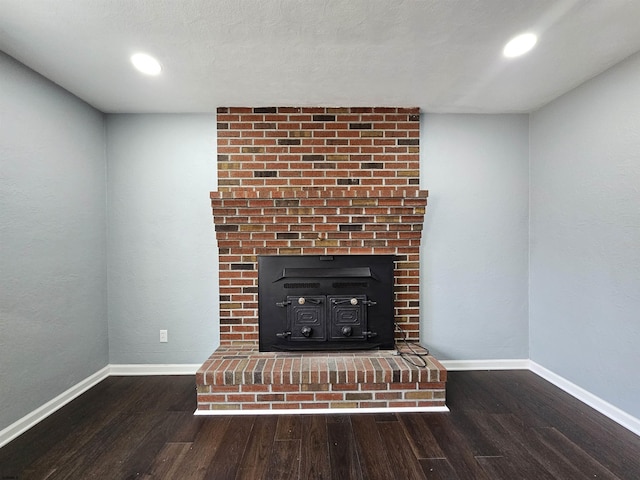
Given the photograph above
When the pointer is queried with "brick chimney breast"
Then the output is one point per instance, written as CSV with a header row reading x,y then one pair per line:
x,y
315,181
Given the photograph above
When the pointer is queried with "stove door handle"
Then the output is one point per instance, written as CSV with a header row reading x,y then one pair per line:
x,y
313,301
352,301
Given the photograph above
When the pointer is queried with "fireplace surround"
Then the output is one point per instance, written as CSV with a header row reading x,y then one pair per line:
x,y
316,182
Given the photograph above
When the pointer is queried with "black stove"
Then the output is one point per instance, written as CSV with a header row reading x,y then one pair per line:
x,y
325,302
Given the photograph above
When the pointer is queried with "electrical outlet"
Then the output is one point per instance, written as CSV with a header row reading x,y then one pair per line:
x,y
164,336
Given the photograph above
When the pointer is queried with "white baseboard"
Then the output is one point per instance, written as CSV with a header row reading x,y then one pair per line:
x,y
25,423
461,365
614,413
319,411
124,370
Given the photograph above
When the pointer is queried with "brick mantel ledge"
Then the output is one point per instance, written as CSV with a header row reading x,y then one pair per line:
x,y
321,192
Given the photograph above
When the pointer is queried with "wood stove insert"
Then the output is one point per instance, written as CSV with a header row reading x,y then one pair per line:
x,y
325,302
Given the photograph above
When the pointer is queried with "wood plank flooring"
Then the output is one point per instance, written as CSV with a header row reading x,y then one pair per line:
x,y
502,425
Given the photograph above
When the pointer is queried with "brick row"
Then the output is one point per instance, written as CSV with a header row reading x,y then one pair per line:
x,y
346,371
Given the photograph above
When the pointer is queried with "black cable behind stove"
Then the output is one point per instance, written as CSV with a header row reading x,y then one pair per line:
x,y
412,346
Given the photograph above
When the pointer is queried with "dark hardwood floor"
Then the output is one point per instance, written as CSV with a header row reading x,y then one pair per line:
x,y
502,425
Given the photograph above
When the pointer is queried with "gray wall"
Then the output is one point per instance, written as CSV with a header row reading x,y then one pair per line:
x,y
53,313
162,251
585,236
475,239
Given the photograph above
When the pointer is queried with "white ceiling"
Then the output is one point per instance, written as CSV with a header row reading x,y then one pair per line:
x,y
439,55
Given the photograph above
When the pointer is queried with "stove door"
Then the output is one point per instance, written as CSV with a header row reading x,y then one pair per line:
x,y
306,318
347,317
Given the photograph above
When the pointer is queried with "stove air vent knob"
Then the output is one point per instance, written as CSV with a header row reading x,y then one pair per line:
x,y
306,331
354,301
346,331
301,301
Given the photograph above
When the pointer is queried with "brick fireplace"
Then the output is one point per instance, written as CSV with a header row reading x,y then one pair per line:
x,y
315,181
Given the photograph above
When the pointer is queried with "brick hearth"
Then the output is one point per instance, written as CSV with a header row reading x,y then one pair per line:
x,y
315,181
242,379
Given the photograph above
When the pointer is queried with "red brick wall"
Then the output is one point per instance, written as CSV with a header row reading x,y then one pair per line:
x,y
315,181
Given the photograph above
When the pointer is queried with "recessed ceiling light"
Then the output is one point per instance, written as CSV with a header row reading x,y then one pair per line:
x,y
519,45
146,64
